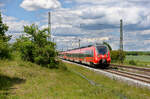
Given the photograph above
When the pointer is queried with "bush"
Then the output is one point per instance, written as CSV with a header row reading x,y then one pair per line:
x,y
39,60
116,56
61,65
5,50
26,50
36,48
132,62
45,56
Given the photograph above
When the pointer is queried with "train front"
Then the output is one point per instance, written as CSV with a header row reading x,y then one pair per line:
x,y
102,55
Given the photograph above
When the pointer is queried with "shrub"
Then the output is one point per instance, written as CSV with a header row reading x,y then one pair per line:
x,y
132,62
61,65
27,49
116,56
5,51
36,48
40,60
45,56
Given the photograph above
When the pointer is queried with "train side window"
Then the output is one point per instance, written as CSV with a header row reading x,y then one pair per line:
x,y
92,53
87,53
82,55
74,55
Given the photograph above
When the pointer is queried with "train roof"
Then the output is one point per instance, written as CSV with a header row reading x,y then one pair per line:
x,y
97,44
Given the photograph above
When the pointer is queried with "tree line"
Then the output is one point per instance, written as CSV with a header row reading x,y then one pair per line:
x,y
135,53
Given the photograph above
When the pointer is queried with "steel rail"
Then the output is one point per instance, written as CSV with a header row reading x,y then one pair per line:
x,y
131,67
134,76
130,75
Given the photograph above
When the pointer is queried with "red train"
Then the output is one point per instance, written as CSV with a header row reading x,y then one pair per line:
x,y
95,55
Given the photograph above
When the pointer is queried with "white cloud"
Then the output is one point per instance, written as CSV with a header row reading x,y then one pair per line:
x,y
16,27
55,26
146,42
95,40
111,11
112,15
145,32
68,1
73,42
32,5
66,23
14,24
1,4
94,1
109,1
8,18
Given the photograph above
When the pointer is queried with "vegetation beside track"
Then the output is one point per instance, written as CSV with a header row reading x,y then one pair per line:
x,y
35,46
139,61
26,80
108,87
143,60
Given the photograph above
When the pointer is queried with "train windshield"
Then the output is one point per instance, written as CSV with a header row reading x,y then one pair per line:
x,y
101,49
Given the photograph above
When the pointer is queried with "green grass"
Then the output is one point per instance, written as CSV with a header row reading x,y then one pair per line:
x,y
140,60
112,89
25,80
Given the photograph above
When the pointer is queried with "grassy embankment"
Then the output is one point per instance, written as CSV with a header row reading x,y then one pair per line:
x,y
25,80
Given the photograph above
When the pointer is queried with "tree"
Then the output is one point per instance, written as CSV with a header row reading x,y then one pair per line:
x,y
38,36
5,51
3,30
36,48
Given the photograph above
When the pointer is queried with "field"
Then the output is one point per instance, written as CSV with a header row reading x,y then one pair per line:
x,y
141,60
25,80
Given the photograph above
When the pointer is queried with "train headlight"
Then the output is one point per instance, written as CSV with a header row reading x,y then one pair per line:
x,y
96,58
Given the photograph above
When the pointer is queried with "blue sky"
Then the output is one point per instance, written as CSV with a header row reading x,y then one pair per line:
x,y
89,20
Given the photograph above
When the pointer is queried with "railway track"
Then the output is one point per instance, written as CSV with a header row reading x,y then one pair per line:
x,y
143,75
131,67
138,70
134,76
